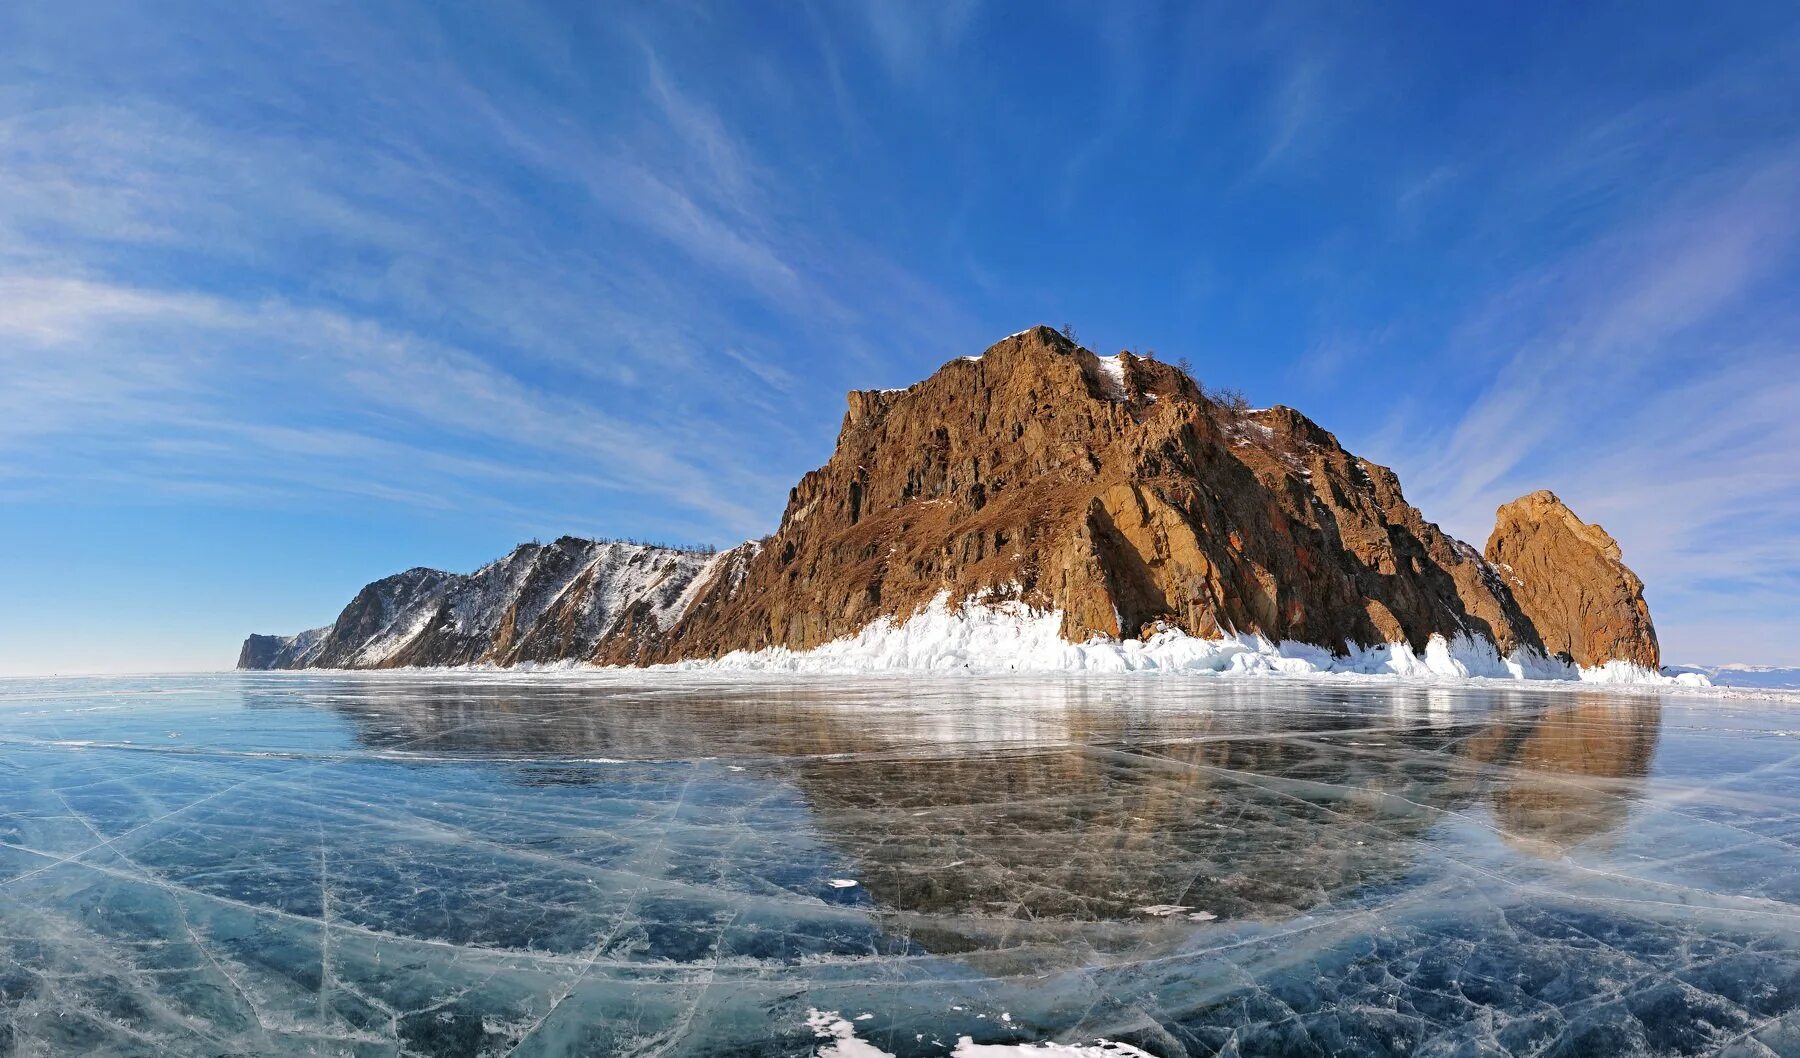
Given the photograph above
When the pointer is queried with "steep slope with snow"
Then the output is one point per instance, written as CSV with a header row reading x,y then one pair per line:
x,y
283,652
572,599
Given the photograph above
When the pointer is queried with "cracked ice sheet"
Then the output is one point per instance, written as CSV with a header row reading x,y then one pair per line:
x,y
464,864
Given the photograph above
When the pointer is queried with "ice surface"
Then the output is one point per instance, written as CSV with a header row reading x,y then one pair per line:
x,y
1044,867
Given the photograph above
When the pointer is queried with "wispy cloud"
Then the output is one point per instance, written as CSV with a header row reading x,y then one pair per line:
x,y
185,385
147,283
1652,384
910,38
1293,106
1604,321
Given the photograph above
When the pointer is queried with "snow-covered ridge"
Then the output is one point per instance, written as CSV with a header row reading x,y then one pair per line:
x,y
540,602
990,637
297,651
591,583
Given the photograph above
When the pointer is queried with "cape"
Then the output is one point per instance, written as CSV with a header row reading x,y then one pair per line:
x,y
1114,492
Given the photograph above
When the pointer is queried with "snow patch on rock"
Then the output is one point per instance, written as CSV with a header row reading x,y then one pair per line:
x,y
1112,374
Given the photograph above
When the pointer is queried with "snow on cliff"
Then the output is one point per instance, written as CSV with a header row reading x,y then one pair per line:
x,y
541,602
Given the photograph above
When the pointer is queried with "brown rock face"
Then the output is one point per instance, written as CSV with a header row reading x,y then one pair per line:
x,y
1570,580
1112,490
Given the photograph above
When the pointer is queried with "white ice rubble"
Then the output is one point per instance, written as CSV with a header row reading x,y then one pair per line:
x,y
1008,636
840,1037
840,1041
1769,677
968,1048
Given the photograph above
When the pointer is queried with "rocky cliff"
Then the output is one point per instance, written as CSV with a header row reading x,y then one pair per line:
x,y
1111,490
1114,491
571,599
1570,580
282,652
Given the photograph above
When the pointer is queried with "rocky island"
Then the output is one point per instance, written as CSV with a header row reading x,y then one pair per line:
x,y
1113,496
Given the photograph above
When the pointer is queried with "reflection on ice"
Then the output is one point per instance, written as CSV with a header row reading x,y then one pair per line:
x,y
454,865
1575,773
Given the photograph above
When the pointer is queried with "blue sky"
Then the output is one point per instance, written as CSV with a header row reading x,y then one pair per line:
x,y
296,297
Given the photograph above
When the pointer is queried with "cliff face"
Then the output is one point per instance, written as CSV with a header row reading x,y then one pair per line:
x,y
1111,490
1571,581
572,599
282,652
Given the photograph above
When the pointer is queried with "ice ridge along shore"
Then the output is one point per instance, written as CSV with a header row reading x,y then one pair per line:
x,y
990,637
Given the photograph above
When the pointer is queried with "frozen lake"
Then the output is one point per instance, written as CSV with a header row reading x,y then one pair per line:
x,y
598,865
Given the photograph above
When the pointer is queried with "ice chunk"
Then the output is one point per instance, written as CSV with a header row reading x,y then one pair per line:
x,y
843,1043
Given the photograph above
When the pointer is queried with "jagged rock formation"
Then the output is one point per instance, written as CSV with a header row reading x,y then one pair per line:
x,y
1112,490
1571,581
262,652
571,599
282,652
637,632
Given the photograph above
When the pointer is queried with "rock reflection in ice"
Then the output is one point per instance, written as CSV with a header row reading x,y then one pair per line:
x,y
460,864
